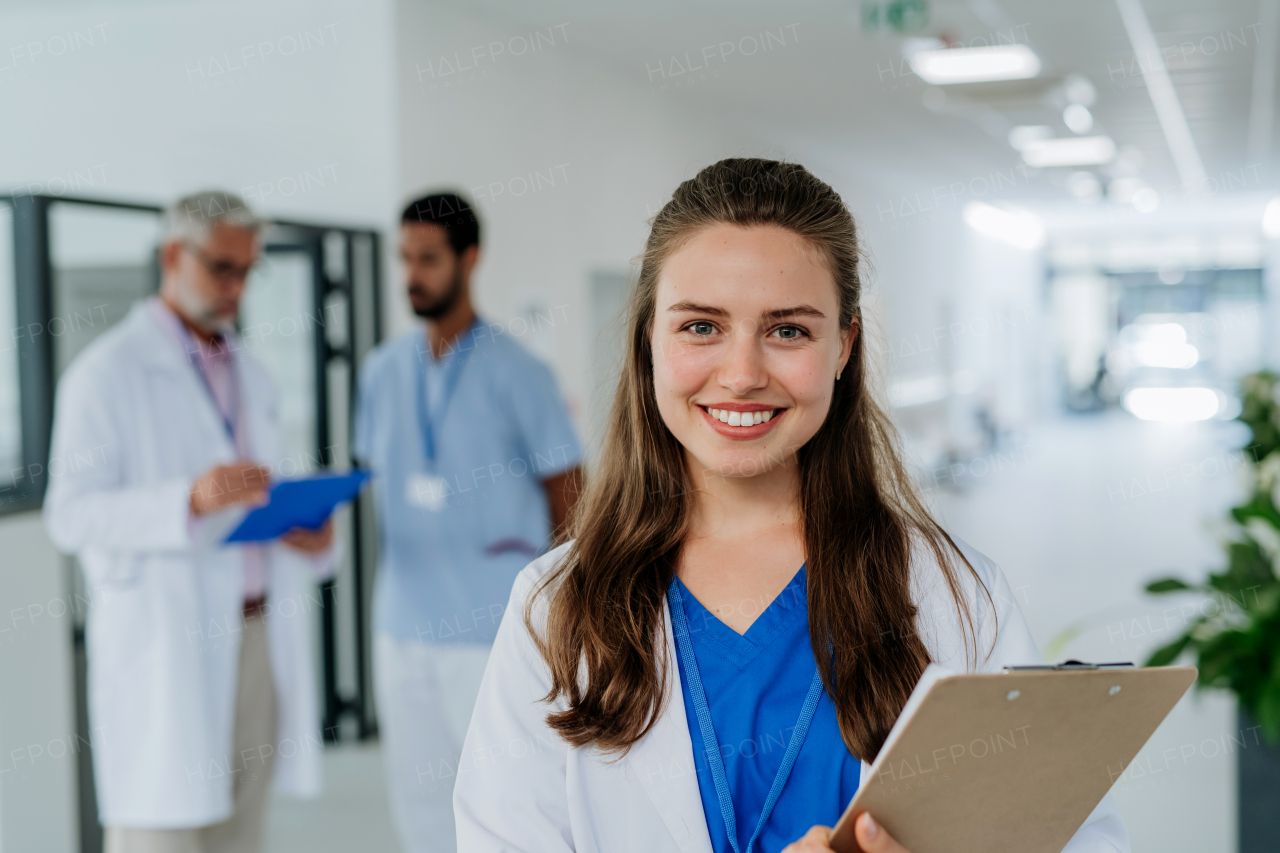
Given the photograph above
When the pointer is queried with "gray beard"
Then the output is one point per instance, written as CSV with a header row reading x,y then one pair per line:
x,y
198,312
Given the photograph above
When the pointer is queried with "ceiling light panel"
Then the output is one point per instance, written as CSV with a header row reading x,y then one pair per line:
x,y
975,64
1071,151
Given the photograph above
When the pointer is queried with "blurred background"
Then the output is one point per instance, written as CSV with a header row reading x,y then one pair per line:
x,y
1071,211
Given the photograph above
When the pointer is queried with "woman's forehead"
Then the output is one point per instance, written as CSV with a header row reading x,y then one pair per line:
x,y
746,271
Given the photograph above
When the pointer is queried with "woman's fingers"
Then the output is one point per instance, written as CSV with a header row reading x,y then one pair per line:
x,y
872,838
814,841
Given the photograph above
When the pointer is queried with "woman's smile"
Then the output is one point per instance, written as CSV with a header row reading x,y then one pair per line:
x,y
741,421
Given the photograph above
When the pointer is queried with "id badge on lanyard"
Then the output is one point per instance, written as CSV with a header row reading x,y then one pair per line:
x,y
427,490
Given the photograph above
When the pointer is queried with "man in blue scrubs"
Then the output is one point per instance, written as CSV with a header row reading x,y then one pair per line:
x,y
475,465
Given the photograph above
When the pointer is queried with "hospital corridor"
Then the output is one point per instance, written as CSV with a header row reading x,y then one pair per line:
x,y
838,425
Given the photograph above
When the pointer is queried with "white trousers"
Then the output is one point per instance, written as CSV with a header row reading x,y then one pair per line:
x,y
426,692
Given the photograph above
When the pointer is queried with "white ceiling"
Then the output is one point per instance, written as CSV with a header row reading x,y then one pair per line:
x,y
843,91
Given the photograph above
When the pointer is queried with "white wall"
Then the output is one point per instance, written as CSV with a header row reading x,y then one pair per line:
x,y
156,99
38,748
614,149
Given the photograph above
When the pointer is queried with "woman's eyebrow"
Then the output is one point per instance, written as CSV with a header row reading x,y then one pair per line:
x,y
794,311
695,308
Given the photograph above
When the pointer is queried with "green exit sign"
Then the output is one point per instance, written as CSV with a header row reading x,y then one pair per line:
x,y
899,16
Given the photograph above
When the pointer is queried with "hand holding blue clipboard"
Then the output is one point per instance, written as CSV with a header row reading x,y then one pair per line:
x,y
298,503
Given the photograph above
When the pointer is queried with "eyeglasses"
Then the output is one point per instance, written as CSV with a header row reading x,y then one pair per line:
x,y
225,272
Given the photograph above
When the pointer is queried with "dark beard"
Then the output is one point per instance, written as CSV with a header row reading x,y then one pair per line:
x,y
445,303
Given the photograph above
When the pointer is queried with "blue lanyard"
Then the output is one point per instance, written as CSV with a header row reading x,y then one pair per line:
x,y
456,363
714,759
193,355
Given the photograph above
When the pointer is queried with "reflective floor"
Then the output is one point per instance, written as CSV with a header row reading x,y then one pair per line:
x,y
352,814
1080,514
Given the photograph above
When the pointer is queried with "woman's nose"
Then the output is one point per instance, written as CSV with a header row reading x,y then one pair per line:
x,y
742,370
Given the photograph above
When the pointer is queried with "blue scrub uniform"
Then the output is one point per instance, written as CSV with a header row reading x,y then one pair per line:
x,y
500,429
755,686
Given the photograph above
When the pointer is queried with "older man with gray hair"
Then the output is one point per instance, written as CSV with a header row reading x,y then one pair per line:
x,y
200,684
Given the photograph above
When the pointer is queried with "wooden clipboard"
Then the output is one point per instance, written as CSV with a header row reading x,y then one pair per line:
x,y
1012,761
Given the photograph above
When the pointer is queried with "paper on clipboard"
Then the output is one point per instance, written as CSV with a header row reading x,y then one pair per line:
x,y
1008,761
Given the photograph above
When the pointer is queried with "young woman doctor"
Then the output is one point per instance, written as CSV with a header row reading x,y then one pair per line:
x,y
754,586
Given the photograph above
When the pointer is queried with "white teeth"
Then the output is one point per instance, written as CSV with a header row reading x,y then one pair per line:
x,y
744,419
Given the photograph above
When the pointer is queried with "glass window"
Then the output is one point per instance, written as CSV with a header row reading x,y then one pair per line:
x,y
104,260
278,323
10,417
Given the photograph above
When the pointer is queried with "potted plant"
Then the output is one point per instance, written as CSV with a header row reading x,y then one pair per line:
x,y
1235,637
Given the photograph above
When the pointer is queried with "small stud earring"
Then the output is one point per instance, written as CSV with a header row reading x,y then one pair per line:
x,y
838,375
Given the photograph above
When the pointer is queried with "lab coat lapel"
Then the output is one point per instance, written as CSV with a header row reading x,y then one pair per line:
x,y
162,354
663,762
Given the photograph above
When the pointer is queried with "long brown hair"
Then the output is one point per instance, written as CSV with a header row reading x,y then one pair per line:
x,y
604,634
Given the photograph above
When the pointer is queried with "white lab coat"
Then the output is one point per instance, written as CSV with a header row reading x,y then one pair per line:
x,y
133,428
521,788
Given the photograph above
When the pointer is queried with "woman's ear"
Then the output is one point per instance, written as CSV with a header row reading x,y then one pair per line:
x,y
847,337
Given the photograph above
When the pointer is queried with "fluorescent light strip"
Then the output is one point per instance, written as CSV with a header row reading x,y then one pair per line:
x,y
975,64
1017,228
1173,121
1069,151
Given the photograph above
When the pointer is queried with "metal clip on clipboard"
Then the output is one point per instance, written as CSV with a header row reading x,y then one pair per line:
x,y
1067,665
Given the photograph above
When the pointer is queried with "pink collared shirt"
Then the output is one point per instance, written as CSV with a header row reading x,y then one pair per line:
x,y
216,362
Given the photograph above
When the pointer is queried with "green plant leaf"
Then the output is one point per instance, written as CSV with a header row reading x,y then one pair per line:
x,y
1226,660
1166,655
1248,568
1268,712
1259,507
1235,636
1059,641
1168,585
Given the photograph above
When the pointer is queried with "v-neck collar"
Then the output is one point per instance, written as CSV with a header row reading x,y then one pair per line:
x,y
740,649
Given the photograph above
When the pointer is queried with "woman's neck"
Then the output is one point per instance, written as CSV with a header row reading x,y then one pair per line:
x,y
745,541
726,507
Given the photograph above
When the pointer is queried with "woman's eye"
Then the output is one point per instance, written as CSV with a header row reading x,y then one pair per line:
x,y
701,328
789,332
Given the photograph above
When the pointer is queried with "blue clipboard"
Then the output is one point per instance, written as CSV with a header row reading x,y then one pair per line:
x,y
298,503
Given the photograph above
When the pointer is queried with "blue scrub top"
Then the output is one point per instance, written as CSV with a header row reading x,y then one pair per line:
x,y
755,685
446,576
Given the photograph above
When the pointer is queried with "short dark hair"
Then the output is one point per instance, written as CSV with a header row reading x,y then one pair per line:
x,y
451,212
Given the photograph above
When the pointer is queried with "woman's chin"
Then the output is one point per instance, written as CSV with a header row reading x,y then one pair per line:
x,y
737,462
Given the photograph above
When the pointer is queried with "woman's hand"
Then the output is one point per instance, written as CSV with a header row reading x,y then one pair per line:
x,y
870,835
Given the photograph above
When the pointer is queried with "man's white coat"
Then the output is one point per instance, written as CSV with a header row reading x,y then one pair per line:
x,y
133,428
